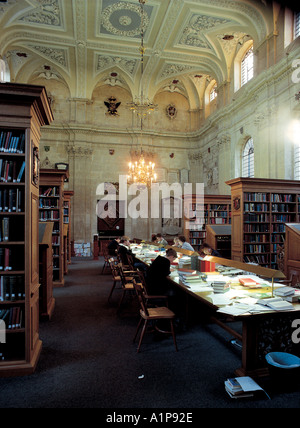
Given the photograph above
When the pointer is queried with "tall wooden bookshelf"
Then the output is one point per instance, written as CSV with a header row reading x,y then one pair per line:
x,y
260,210
23,110
47,301
216,209
51,203
67,216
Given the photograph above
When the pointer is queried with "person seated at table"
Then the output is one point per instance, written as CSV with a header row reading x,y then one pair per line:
x,y
113,246
158,284
124,250
176,242
207,250
160,239
153,238
157,273
184,244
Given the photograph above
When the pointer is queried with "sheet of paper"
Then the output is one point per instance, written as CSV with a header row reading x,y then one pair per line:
x,y
248,384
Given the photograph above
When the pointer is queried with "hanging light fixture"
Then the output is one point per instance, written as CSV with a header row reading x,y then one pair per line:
x,y
140,171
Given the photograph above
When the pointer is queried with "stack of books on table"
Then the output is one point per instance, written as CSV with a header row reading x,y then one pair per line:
x,y
242,387
220,286
289,294
249,282
188,276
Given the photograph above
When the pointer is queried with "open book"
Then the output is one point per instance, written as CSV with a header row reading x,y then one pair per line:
x,y
276,303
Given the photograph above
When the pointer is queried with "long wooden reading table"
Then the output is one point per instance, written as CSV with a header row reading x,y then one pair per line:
x,y
263,330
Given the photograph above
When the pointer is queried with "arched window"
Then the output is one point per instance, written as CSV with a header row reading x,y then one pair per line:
x,y
248,159
2,70
297,162
247,67
297,25
213,93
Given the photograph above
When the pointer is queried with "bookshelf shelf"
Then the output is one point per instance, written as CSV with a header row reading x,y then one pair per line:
x,y
261,209
23,110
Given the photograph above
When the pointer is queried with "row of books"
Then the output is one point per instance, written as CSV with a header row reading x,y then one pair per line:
x,y
279,197
257,228
256,238
257,218
11,143
50,215
49,203
284,208
11,260
11,200
11,171
50,191
55,240
254,206
219,220
263,197
261,259
4,229
256,248
257,196
278,238
11,288
282,218
277,228
12,317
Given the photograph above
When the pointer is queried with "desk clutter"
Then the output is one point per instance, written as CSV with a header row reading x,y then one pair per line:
x,y
234,291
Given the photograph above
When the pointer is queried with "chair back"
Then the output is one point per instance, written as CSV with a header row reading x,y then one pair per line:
x,y
130,261
141,278
114,267
140,293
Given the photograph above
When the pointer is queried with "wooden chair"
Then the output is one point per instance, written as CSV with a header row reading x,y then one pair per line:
x,y
116,276
152,315
127,278
150,298
106,256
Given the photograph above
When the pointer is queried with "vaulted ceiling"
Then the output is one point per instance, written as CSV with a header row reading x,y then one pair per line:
x,y
86,42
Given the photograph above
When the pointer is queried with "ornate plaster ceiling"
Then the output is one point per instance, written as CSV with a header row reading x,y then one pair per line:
x,y
85,43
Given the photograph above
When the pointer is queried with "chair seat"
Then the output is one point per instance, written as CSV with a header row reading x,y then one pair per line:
x,y
129,286
161,312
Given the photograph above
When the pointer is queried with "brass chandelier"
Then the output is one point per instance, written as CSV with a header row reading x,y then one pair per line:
x,y
141,172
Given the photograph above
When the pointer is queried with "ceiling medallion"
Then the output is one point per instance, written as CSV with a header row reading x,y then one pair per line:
x,y
131,16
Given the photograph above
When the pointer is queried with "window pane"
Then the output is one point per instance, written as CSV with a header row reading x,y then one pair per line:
x,y
248,159
297,162
247,67
213,93
297,25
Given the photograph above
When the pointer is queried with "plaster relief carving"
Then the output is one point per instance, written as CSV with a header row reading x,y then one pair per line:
x,y
47,13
